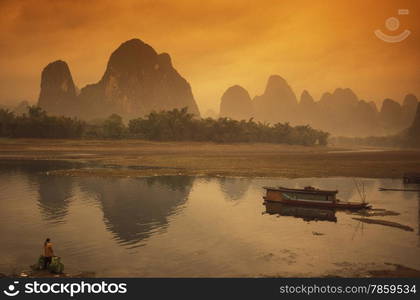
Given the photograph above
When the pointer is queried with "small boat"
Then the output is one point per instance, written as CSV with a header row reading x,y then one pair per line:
x,y
309,196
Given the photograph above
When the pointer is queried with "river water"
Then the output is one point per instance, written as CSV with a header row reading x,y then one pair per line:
x,y
173,226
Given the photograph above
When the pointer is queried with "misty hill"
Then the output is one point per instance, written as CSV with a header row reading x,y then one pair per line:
x,y
278,103
409,107
136,81
409,137
58,91
340,112
413,132
236,104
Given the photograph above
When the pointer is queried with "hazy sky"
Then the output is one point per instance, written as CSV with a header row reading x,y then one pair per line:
x,y
315,45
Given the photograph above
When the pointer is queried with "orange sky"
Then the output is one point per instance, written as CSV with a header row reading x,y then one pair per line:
x,y
314,45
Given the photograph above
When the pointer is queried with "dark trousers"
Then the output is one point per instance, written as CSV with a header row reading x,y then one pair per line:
x,y
47,261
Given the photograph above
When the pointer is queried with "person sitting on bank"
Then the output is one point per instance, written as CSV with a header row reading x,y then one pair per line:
x,y
48,252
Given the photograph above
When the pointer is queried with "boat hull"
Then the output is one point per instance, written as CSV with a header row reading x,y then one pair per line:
x,y
336,205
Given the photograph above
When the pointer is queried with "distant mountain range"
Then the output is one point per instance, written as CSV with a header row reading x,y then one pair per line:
x,y
340,112
136,81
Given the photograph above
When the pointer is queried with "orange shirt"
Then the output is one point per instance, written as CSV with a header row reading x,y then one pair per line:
x,y
48,250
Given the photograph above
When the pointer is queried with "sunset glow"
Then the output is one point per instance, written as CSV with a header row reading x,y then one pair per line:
x,y
314,45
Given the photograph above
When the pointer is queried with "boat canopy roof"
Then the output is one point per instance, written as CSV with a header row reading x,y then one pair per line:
x,y
306,190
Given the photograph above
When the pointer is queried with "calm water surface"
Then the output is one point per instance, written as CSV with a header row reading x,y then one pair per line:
x,y
196,226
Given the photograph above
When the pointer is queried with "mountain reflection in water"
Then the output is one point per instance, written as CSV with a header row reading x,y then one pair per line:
x,y
234,188
133,209
54,196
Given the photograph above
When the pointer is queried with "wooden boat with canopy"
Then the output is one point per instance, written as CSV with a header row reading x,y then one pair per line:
x,y
310,196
